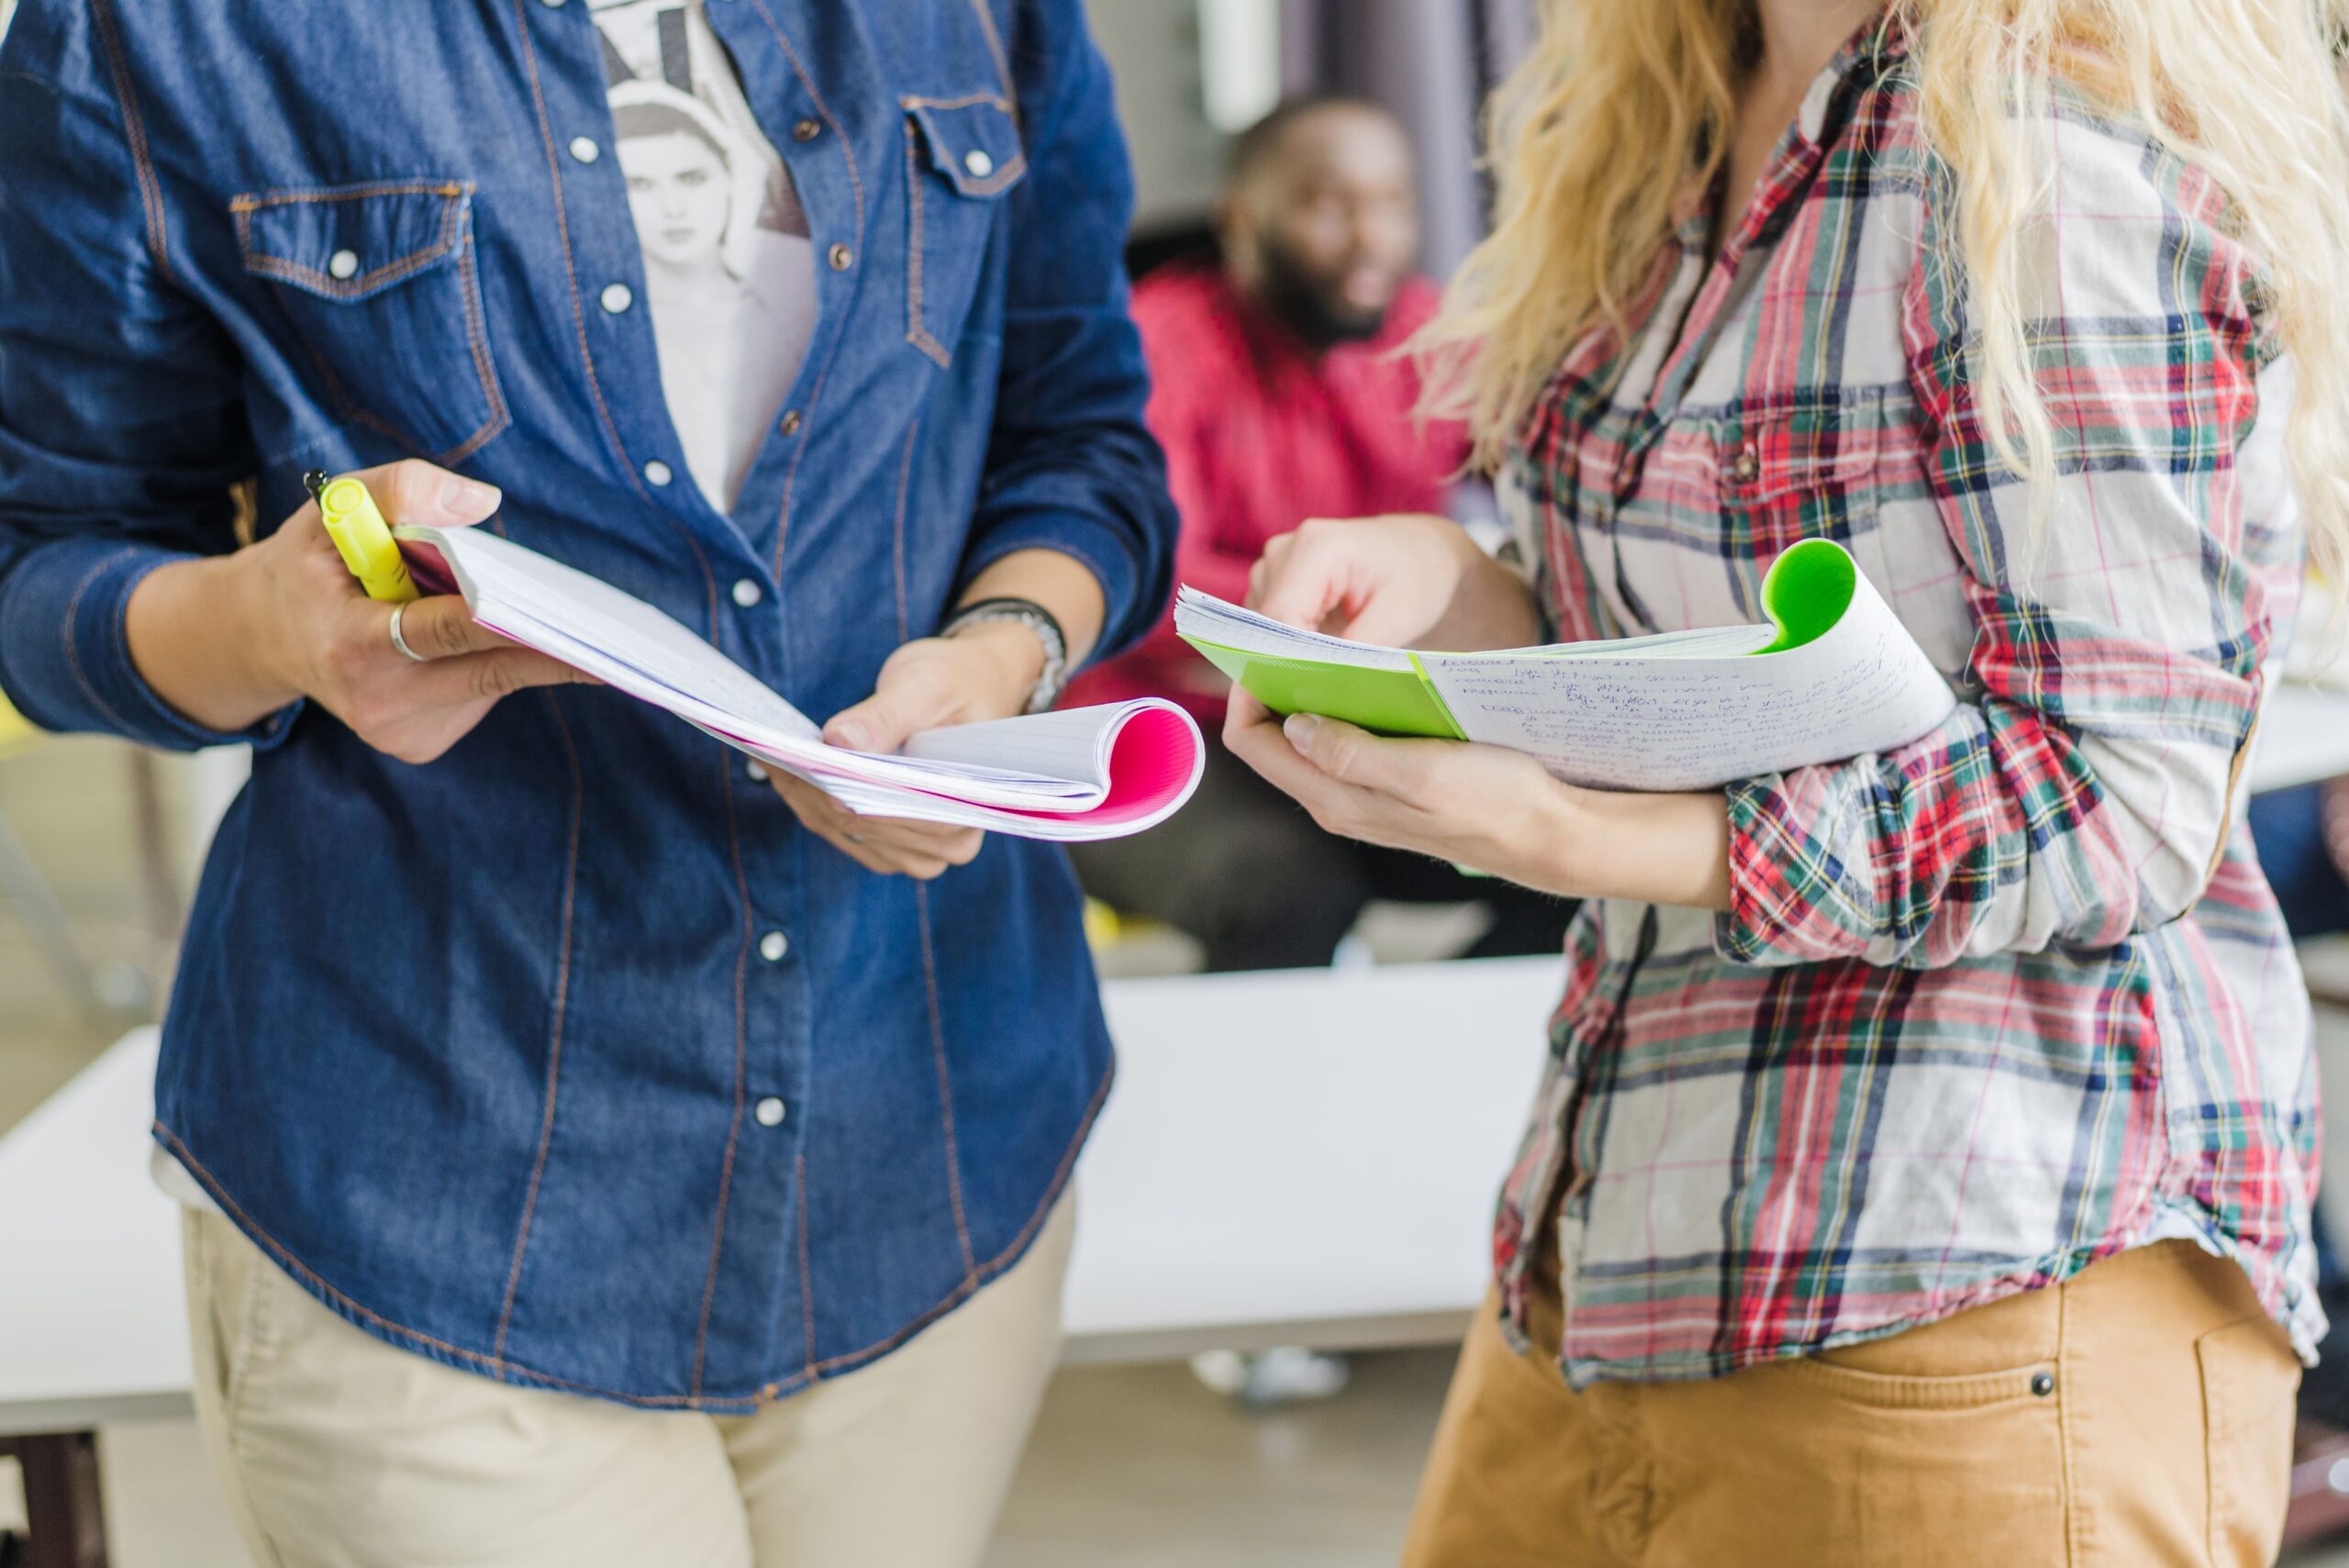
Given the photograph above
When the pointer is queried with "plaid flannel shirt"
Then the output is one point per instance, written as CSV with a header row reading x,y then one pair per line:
x,y
2015,997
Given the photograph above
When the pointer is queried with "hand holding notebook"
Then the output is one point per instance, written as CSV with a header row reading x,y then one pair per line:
x,y
1833,676
1084,773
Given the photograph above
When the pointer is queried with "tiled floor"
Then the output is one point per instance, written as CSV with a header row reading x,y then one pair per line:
x,y
1136,1467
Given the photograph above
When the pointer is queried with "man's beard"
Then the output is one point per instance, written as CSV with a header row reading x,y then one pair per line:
x,y
1306,306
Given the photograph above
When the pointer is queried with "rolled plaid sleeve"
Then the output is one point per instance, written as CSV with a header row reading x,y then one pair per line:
x,y
2083,792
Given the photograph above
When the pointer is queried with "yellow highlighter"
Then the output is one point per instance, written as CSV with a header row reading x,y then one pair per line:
x,y
359,531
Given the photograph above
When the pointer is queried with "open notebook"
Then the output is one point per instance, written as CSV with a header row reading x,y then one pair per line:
x,y
1836,676
1089,772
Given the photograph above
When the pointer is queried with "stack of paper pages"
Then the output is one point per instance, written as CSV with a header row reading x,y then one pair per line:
x,y
1837,675
1089,773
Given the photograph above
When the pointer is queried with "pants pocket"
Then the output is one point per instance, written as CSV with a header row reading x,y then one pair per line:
x,y
2249,1380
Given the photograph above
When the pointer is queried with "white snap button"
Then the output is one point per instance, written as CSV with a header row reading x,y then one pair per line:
x,y
585,149
768,1111
756,770
616,297
978,162
342,264
656,471
747,592
773,946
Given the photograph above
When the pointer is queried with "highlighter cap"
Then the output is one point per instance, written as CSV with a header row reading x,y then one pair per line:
x,y
364,539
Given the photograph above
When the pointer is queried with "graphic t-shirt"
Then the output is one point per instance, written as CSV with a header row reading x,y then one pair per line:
x,y
728,260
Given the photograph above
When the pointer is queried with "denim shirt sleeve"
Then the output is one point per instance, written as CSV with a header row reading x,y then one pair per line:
x,y
121,419
1070,464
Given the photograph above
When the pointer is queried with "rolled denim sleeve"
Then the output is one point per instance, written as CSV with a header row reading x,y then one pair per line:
x,y
122,425
1071,466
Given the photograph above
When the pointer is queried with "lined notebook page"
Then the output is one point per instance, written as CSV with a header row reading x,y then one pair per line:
x,y
1683,723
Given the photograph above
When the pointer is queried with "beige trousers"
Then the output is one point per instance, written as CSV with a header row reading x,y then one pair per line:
x,y
339,1450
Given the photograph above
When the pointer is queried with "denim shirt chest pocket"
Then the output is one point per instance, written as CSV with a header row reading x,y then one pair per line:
x,y
378,282
962,153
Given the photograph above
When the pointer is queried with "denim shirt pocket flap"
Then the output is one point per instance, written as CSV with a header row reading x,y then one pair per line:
x,y
973,141
376,286
351,241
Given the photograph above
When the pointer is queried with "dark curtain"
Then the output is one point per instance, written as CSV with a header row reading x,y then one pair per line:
x,y
1431,61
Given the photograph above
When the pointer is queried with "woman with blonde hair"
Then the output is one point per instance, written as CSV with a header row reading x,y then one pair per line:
x,y
1921,1174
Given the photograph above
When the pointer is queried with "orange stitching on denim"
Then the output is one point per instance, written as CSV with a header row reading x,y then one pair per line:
x,y
807,1273
485,367
897,533
554,1047
134,128
945,1080
477,330
579,317
344,288
848,149
994,47
995,1266
856,188
1002,180
916,333
791,474
741,1047
967,100
455,235
291,195
263,263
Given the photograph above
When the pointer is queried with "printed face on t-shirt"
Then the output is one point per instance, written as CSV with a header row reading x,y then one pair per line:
x,y
679,192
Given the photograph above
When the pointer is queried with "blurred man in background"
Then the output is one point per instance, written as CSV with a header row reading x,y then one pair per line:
x,y
1279,396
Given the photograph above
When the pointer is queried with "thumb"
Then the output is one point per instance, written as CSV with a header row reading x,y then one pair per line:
x,y
903,705
1382,621
418,492
1298,598
1341,751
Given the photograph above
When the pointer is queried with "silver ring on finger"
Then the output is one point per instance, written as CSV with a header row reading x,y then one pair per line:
x,y
399,642
854,837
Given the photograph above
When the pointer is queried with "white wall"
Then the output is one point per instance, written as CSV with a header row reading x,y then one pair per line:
x,y
1153,48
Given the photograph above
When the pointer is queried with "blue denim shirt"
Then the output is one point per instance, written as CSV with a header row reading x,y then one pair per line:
x,y
477,1050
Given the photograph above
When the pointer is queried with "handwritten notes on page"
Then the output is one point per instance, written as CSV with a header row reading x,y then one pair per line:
x,y
1836,676
1627,722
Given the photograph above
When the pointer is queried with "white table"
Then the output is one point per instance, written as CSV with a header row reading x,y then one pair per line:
x,y
1306,1157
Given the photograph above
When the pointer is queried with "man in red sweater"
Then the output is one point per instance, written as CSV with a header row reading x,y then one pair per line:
x,y
1279,395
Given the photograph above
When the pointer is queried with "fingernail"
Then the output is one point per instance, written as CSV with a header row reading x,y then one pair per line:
x,y
469,496
849,735
1299,728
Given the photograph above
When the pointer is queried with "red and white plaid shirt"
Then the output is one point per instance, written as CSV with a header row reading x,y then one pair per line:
x,y
2015,997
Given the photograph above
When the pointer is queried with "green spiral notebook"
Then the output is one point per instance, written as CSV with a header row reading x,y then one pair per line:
x,y
1832,674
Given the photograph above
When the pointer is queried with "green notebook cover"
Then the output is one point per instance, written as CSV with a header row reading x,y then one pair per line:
x,y
1389,702
1805,593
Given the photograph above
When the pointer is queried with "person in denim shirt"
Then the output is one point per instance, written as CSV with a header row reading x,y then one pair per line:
x,y
596,1151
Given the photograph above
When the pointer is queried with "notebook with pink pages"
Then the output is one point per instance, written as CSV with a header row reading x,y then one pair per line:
x,y
1071,775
